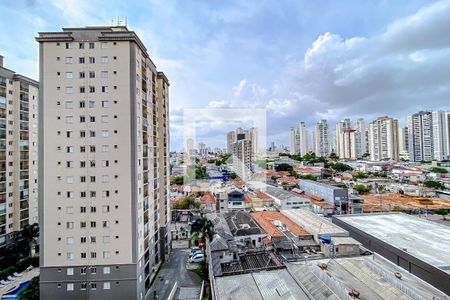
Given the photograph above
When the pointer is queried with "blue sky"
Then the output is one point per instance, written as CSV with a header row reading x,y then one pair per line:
x,y
301,60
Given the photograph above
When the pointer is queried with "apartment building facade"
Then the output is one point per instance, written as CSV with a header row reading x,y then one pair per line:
x,y
383,139
420,134
299,139
321,139
18,153
103,151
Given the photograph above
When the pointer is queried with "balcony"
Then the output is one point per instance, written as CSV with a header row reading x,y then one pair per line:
x,y
3,82
24,88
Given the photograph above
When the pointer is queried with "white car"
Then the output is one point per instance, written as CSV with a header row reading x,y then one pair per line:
x,y
193,253
199,257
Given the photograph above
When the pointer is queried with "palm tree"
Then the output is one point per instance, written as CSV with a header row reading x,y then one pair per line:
x,y
27,237
203,227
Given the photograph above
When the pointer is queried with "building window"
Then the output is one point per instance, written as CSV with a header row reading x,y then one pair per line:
x,y
69,271
83,270
106,270
93,270
91,89
93,286
69,60
83,286
70,286
69,75
106,254
91,45
104,45
91,74
104,119
106,239
104,59
69,104
69,256
81,45
69,45
82,89
81,60
106,285
104,89
104,74
92,60
105,133
69,119
69,90
69,241
105,103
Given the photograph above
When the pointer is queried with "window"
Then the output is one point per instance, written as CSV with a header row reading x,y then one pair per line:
x,y
69,256
106,254
104,45
81,60
92,134
83,286
93,270
69,90
82,119
92,119
93,239
69,134
104,59
82,74
83,224
104,74
69,104
104,89
105,103
69,119
69,271
83,240
69,179
105,133
91,45
83,270
69,149
70,194
104,119
93,286
105,163
105,148
92,60
82,149
106,270
105,224
105,178
69,60
83,255
69,225
82,209
93,209
82,178
93,224
81,45
69,241
69,45
70,286
91,74
91,104
106,239
93,254
82,89
69,75
91,89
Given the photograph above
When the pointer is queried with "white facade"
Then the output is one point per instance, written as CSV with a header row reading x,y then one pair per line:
x,y
441,134
420,136
383,139
321,139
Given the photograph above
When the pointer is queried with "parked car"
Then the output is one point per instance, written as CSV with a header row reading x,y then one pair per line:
x,y
193,249
195,252
199,257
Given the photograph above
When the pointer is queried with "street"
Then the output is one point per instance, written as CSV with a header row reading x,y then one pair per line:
x,y
174,270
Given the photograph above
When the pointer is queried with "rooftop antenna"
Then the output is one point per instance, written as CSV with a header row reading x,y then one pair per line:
x,y
126,21
118,21
112,22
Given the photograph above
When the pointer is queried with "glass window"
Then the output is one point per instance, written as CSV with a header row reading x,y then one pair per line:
x,y
106,270
69,75
70,286
106,285
70,271
104,59
69,60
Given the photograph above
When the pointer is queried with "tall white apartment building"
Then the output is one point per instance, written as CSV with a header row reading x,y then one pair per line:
x,y
18,153
441,134
360,138
383,139
338,141
321,139
349,144
254,137
231,138
299,139
103,149
420,136
243,151
403,150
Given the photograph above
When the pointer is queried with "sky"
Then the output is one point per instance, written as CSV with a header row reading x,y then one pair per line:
x,y
298,60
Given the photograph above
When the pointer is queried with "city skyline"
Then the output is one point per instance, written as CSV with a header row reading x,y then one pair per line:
x,y
353,65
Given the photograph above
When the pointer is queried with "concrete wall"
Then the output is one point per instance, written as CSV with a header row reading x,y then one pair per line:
x,y
434,276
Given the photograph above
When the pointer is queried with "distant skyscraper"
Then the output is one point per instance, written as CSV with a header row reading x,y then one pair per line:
x,y
243,150
18,153
322,139
202,149
403,147
231,138
299,139
360,138
441,134
255,140
189,146
339,130
383,139
420,136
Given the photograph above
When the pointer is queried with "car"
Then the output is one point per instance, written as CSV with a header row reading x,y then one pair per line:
x,y
193,249
195,252
199,257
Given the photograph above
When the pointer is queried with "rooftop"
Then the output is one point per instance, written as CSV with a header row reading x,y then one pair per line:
x,y
325,185
276,284
426,240
313,223
241,223
269,219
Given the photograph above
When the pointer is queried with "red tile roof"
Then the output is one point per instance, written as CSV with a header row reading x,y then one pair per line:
x,y
207,198
265,220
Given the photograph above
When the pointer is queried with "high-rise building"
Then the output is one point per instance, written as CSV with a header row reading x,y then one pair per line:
x,y
348,144
321,139
243,151
383,139
403,150
338,142
18,153
299,139
360,138
255,140
231,138
293,149
202,149
103,147
420,136
441,134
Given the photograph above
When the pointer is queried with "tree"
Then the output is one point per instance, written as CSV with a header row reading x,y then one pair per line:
x,y
204,228
200,172
284,167
359,175
178,180
31,291
434,184
334,156
439,170
362,189
188,202
309,177
442,212
340,167
27,237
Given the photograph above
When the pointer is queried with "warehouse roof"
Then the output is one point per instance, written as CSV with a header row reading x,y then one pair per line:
x,y
426,240
313,223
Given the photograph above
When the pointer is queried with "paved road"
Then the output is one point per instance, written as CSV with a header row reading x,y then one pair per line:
x,y
174,271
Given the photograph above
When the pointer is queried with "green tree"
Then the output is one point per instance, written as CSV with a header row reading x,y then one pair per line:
x,y
309,177
362,189
340,167
31,291
439,170
178,180
188,202
204,228
434,184
27,237
200,173
359,175
334,156
442,212
284,167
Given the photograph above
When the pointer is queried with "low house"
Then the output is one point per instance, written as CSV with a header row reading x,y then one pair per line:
x,y
236,200
208,202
